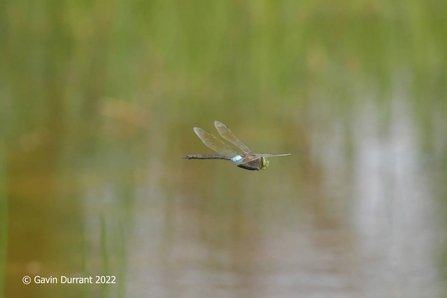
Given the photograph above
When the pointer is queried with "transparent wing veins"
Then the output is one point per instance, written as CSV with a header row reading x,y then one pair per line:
x,y
228,135
215,144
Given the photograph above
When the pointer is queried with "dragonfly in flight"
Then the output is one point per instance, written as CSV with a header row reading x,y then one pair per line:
x,y
245,159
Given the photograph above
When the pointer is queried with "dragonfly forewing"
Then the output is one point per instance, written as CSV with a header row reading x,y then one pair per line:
x,y
228,135
215,144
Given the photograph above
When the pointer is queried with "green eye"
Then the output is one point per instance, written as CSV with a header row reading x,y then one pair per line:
x,y
265,163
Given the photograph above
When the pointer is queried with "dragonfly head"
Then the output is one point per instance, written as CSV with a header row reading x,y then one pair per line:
x,y
265,163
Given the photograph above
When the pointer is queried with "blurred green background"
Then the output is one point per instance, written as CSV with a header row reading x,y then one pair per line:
x,y
97,105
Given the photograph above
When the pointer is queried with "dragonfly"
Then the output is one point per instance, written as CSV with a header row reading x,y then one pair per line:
x,y
244,159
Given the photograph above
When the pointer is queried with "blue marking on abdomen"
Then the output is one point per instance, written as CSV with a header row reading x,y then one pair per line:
x,y
236,159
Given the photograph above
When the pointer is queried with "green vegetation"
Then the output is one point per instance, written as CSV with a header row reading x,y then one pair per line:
x,y
3,219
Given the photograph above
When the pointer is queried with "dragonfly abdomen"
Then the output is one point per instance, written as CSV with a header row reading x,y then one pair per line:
x,y
207,156
236,159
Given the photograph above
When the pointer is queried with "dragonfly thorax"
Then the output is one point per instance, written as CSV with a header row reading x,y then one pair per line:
x,y
254,164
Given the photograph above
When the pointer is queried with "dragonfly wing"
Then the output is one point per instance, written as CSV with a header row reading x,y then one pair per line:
x,y
254,156
213,143
228,135
248,158
273,155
